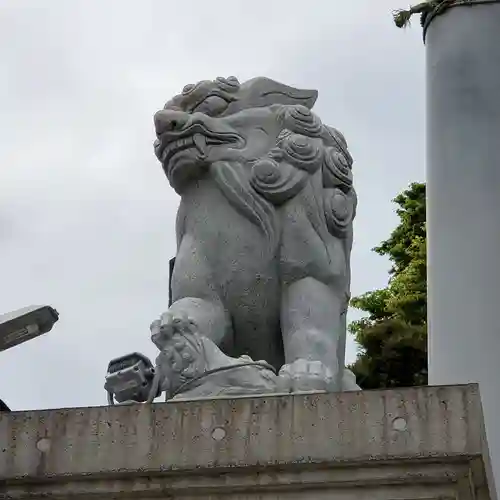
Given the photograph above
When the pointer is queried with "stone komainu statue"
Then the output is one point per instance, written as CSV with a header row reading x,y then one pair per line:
x,y
264,227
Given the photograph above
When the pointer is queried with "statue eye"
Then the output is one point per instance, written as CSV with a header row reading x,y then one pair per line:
x,y
230,84
212,106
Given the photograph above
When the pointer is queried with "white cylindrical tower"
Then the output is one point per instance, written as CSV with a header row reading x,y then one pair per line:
x,y
463,189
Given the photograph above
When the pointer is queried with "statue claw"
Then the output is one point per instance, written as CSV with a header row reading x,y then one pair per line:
x,y
170,324
304,375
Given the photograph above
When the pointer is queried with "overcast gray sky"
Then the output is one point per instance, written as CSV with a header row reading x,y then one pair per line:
x,y
86,214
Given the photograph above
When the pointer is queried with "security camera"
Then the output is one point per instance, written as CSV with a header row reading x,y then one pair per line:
x,y
25,324
131,379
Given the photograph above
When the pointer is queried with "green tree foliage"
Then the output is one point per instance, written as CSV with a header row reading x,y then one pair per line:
x,y
393,336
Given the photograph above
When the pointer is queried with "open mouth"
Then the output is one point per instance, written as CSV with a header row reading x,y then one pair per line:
x,y
198,141
196,138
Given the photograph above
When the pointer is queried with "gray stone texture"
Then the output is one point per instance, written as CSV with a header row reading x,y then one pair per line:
x,y
420,443
190,365
264,227
463,189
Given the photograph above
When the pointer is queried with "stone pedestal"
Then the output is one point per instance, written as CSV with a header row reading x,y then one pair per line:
x,y
424,443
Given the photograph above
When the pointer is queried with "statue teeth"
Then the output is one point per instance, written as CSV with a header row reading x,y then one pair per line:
x,y
200,143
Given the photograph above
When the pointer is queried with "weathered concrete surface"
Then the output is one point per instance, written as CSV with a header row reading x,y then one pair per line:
x,y
411,443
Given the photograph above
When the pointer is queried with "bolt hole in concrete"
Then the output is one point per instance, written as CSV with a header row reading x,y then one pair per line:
x,y
218,434
399,424
43,445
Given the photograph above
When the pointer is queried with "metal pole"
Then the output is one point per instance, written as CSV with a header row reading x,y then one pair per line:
x,y
463,189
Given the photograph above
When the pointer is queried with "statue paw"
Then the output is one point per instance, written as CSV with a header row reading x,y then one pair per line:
x,y
304,375
349,381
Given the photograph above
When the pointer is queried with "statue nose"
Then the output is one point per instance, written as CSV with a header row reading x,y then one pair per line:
x,y
170,121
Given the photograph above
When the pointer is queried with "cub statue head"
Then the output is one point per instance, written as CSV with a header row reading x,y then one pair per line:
x,y
191,365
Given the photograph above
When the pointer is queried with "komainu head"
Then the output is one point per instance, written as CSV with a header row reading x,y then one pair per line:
x,y
264,127
222,120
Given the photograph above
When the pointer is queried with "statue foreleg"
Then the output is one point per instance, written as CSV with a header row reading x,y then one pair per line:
x,y
194,295
311,327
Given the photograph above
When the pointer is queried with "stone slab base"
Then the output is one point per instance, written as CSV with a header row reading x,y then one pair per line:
x,y
421,443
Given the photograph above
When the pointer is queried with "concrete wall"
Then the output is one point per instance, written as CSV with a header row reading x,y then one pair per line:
x,y
413,443
463,188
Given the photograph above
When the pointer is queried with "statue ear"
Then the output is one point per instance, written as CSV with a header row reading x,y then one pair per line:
x,y
260,92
